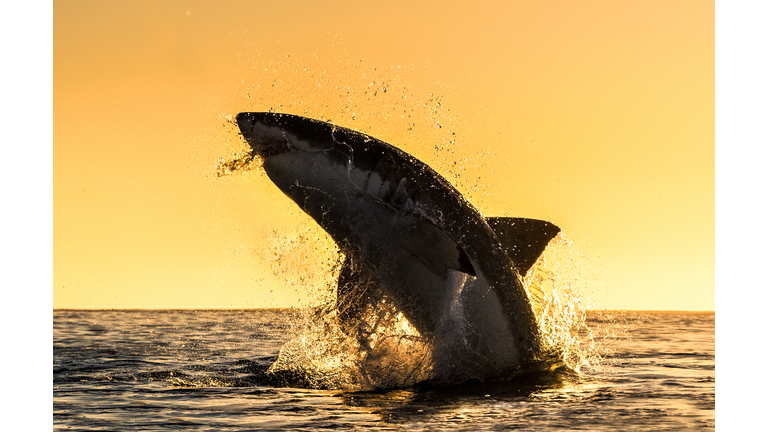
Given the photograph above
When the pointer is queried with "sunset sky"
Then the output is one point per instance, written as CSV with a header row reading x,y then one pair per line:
x,y
597,116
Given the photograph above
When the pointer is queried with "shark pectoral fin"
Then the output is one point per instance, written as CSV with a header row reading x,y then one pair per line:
x,y
436,250
464,264
523,239
410,266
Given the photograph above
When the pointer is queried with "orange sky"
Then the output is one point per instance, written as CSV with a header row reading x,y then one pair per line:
x,y
598,116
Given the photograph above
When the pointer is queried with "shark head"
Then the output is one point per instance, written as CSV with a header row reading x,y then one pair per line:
x,y
306,159
296,151
270,134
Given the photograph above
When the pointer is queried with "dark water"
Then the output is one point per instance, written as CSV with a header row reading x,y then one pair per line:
x,y
203,370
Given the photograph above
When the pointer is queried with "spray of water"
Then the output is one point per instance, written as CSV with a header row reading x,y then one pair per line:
x,y
386,351
557,285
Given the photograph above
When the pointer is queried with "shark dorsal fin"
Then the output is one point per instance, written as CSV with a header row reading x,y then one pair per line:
x,y
523,239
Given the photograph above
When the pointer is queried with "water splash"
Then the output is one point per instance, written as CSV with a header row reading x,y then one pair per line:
x,y
237,162
556,285
386,351
322,355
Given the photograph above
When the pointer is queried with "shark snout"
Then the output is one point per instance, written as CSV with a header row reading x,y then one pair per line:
x,y
263,136
245,121
272,133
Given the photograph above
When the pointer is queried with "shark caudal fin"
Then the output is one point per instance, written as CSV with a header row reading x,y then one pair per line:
x,y
523,239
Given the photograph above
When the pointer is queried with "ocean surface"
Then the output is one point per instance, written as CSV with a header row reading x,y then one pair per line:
x,y
205,371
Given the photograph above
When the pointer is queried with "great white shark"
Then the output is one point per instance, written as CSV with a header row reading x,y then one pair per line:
x,y
409,235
